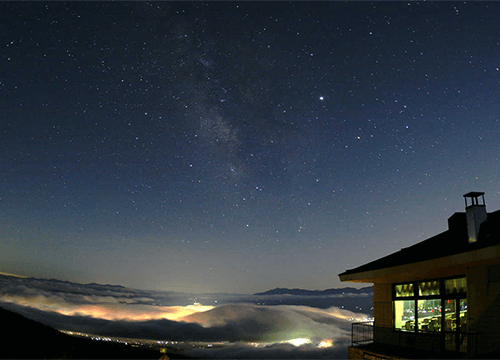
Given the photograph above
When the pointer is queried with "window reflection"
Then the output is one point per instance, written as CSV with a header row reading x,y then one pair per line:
x,y
463,315
455,286
451,312
428,288
404,290
450,315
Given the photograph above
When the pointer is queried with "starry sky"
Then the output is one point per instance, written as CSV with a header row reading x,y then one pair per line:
x,y
239,146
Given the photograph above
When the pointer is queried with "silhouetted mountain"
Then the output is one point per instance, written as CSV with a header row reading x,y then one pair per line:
x,y
57,282
23,338
300,292
347,298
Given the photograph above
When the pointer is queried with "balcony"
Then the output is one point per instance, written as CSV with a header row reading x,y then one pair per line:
x,y
420,344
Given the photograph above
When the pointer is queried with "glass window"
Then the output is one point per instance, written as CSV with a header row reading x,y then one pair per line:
x,y
450,315
429,315
428,288
404,314
454,286
455,323
463,315
404,290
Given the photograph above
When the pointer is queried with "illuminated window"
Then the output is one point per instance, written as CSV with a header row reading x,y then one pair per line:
x,y
404,315
438,305
429,315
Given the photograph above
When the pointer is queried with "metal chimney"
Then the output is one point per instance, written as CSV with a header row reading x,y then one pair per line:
x,y
475,211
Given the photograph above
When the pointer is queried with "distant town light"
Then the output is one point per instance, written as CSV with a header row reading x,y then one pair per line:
x,y
299,341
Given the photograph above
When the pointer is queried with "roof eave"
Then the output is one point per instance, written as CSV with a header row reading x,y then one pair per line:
x,y
434,268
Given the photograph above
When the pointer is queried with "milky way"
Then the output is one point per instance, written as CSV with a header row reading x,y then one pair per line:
x,y
239,146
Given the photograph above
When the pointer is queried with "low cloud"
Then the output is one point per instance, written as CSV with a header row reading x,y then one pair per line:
x,y
109,302
277,331
239,323
276,323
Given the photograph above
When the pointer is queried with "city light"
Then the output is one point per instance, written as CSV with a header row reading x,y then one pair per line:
x,y
326,343
299,341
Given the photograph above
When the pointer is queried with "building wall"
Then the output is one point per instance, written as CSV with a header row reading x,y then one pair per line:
x,y
382,304
484,305
371,354
355,353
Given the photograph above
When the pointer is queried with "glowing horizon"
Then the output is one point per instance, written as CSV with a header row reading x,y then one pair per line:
x,y
112,312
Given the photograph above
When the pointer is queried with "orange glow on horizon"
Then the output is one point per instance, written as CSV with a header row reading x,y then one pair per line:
x,y
136,312
13,275
108,311
326,343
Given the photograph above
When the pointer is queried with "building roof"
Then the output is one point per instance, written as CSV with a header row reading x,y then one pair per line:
x,y
474,194
450,242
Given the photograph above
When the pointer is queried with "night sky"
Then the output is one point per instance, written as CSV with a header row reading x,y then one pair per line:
x,y
239,146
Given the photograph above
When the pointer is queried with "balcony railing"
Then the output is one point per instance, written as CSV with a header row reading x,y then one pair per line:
x,y
362,333
366,332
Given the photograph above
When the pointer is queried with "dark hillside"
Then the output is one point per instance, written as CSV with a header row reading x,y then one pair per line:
x,y
23,338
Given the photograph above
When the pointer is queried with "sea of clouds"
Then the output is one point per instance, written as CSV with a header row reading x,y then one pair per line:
x,y
253,330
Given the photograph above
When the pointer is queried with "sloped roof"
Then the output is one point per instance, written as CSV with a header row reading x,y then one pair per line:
x,y
450,242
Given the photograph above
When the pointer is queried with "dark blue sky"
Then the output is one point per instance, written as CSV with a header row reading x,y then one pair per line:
x,y
239,146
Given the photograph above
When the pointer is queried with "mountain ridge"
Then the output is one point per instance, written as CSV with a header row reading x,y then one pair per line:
x,y
326,292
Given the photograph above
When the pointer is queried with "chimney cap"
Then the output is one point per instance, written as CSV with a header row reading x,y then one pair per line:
x,y
474,194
